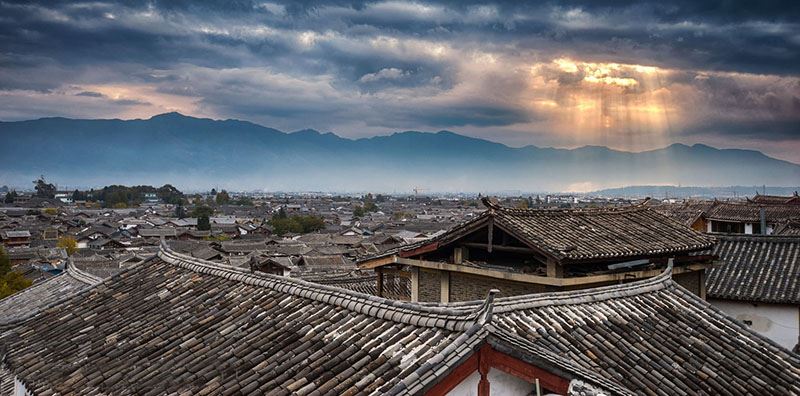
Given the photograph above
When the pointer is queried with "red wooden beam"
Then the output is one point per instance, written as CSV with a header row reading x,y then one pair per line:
x,y
420,250
455,377
528,372
487,358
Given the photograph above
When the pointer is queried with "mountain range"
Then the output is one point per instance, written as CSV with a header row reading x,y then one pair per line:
x,y
196,153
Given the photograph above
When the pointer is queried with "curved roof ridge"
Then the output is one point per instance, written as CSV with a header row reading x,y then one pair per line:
x,y
583,296
606,209
82,276
757,237
442,315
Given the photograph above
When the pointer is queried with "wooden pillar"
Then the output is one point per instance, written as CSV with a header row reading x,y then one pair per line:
x,y
483,369
414,284
379,277
458,255
702,285
491,235
444,278
554,269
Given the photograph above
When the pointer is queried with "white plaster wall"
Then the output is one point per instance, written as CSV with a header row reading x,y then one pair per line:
x,y
504,384
467,387
19,388
778,322
500,384
748,228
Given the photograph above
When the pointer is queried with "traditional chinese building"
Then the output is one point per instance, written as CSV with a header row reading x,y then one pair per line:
x,y
523,251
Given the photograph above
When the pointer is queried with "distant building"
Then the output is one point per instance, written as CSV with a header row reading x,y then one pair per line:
x,y
151,198
16,238
749,217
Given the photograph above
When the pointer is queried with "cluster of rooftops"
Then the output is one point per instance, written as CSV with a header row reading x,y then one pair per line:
x,y
177,324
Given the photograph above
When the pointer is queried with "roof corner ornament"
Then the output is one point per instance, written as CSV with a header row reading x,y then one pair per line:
x,y
485,311
670,265
490,203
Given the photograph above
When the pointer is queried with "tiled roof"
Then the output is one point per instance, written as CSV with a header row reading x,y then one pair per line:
x,y
791,228
579,235
757,268
751,212
652,336
776,199
181,325
686,213
32,300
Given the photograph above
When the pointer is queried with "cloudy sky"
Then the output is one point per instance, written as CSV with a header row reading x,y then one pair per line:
x,y
628,75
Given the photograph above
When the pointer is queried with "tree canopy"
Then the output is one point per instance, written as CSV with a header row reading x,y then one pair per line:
x,y
301,224
43,188
10,280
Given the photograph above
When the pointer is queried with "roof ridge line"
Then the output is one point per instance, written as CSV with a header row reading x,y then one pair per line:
x,y
82,276
658,282
394,310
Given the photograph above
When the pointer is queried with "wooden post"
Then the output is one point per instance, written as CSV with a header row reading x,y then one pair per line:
x,y
702,285
444,278
554,269
458,255
414,284
379,277
491,235
483,369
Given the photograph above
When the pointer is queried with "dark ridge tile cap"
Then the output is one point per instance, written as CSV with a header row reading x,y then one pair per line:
x,y
454,318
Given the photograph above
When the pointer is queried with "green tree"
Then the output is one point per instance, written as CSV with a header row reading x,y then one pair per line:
x,y
358,212
180,211
10,280
223,198
78,196
69,244
169,194
202,211
50,211
203,223
218,238
244,201
44,189
11,196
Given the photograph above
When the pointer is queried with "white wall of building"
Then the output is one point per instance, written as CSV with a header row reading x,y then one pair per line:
x,y
467,387
500,384
504,384
778,322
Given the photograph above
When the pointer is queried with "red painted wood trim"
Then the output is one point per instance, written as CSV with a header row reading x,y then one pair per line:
x,y
528,372
420,250
483,368
487,358
455,377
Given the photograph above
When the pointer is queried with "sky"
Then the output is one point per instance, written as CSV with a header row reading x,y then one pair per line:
x,y
628,75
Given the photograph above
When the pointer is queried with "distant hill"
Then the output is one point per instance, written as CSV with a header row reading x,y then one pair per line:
x,y
679,192
197,153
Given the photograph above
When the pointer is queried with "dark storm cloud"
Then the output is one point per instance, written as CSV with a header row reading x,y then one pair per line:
x,y
393,64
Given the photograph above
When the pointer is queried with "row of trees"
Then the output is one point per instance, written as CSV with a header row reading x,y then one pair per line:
x,y
369,205
282,224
